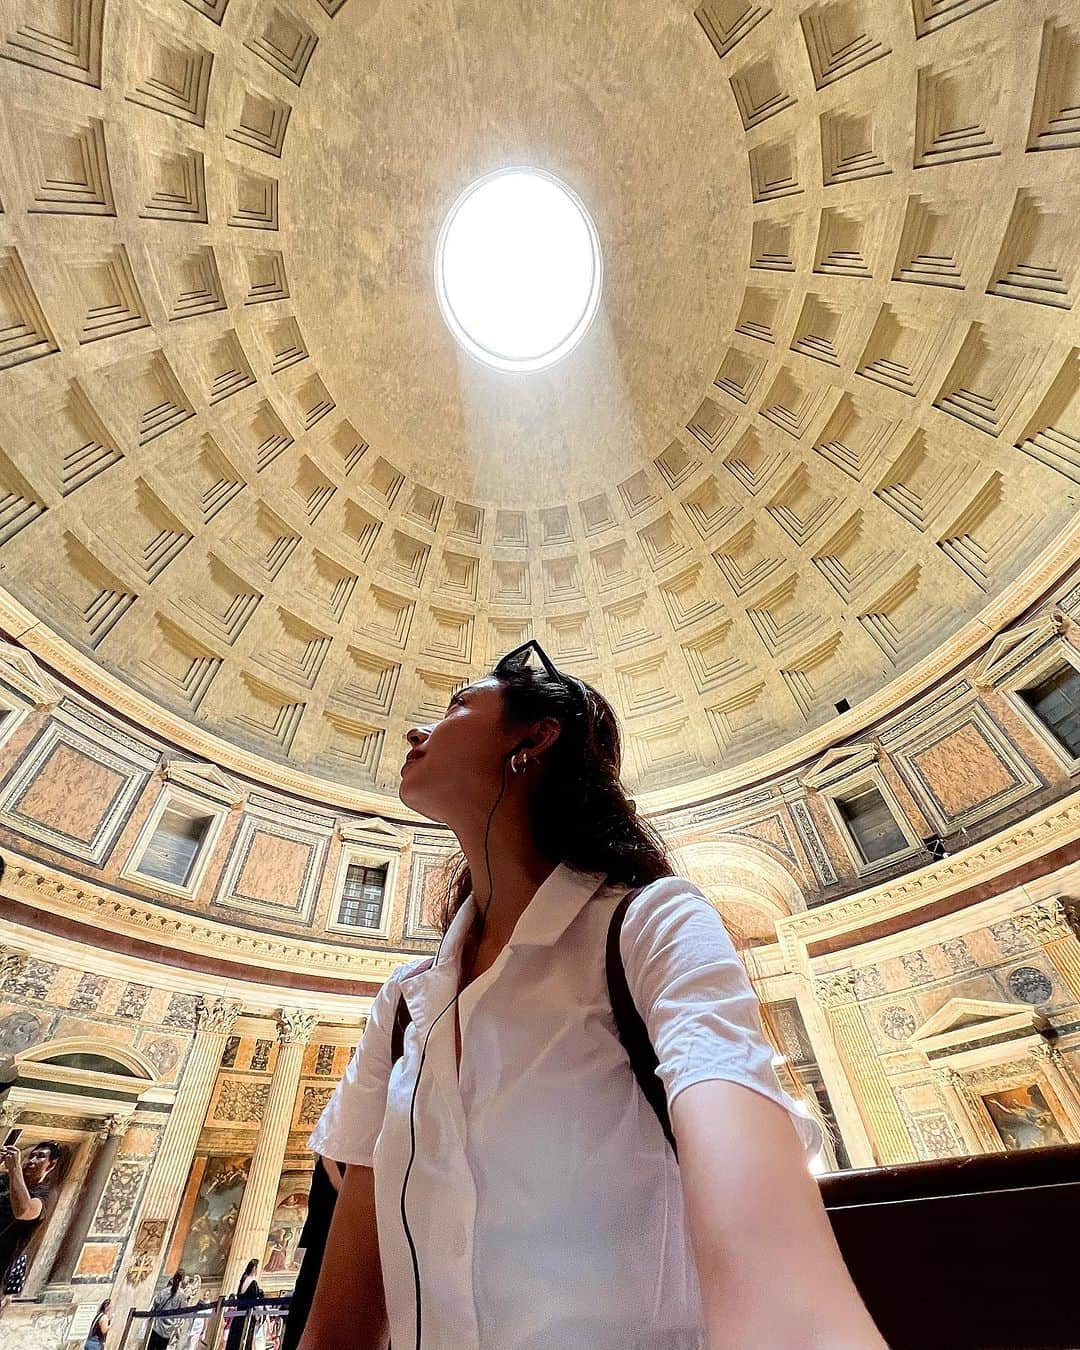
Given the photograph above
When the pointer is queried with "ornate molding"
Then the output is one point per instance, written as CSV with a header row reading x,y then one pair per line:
x,y
217,1015
19,670
948,1077
54,894
1058,824
296,1025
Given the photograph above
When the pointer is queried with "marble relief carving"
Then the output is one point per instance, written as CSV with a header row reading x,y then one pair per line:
x,y
118,1201
88,993
958,955
868,982
33,980
241,1101
312,1103
19,1031
164,1054
916,967
133,1001
182,1012
897,1023
937,1136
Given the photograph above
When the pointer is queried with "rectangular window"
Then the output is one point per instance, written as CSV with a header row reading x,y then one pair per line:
x,y
362,896
174,847
871,825
1055,701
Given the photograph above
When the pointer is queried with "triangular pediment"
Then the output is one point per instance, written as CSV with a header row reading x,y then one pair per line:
x,y
19,670
1010,650
967,1014
839,762
206,779
371,830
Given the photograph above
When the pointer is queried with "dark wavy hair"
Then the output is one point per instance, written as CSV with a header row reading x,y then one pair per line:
x,y
582,816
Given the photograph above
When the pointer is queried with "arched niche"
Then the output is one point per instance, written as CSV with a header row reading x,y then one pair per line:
x,y
95,1077
749,886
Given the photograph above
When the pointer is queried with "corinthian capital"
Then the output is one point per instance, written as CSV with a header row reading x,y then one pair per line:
x,y
295,1025
833,990
1045,1053
217,1015
1051,919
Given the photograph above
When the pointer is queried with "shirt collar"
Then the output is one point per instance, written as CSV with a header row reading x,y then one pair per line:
x,y
558,901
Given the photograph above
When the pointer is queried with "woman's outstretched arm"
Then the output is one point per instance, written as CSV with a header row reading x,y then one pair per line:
x,y
349,1310
770,1271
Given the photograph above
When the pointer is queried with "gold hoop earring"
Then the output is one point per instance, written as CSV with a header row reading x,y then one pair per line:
x,y
516,766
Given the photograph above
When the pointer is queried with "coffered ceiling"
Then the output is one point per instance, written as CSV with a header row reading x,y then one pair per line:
x,y
828,414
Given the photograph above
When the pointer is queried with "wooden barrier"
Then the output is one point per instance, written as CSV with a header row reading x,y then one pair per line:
x,y
967,1253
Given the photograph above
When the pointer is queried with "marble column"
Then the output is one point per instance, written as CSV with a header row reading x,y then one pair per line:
x,y
257,1206
112,1131
955,1092
173,1161
860,1150
877,1102
1051,1062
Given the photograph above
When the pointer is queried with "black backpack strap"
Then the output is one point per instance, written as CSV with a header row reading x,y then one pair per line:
x,y
632,1031
402,1018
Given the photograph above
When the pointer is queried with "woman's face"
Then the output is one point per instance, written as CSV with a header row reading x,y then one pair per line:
x,y
455,767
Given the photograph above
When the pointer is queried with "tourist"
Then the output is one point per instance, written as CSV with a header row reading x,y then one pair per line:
x,y
508,1184
248,1293
163,1327
25,1185
99,1328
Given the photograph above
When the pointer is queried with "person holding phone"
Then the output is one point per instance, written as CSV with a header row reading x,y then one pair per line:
x,y
24,1188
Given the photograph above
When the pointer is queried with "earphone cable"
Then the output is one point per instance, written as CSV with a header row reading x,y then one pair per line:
x,y
479,928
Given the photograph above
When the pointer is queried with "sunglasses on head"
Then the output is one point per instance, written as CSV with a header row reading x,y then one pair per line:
x,y
521,658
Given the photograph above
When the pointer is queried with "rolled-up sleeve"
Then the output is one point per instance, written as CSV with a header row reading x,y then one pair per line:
x,y
693,993
351,1121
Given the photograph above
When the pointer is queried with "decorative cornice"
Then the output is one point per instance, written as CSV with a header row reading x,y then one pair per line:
x,y
296,1025
1058,824
1045,1053
54,894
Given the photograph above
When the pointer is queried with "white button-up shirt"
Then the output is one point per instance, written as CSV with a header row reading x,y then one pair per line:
x,y
544,1200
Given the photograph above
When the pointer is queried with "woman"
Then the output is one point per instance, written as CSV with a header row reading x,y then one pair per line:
x,y
508,1185
248,1292
99,1328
